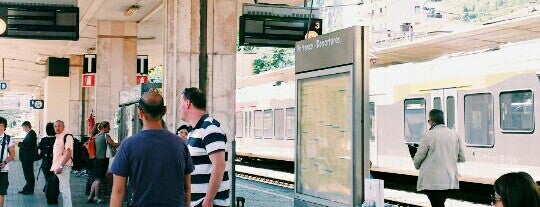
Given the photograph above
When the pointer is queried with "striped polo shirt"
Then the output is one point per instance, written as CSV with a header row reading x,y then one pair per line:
x,y
207,137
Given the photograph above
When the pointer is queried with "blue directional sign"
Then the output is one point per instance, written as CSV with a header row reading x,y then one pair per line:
x,y
37,104
4,85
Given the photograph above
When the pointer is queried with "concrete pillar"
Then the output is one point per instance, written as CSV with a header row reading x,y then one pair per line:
x,y
180,53
56,92
116,65
221,39
203,58
75,98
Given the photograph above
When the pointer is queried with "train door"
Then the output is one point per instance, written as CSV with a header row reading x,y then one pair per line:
x,y
445,100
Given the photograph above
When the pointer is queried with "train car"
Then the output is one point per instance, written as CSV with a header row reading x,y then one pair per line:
x,y
488,97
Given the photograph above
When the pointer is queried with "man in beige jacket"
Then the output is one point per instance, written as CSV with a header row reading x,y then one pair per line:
x,y
437,158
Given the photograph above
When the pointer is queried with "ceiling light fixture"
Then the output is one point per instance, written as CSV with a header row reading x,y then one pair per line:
x,y
131,10
3,26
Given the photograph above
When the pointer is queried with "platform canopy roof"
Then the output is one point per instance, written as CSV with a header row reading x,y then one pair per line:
x,y
483,37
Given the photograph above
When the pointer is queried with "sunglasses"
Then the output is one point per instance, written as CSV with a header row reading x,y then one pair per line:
x,y
495,198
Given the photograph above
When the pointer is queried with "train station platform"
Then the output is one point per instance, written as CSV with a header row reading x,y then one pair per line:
x,y
16,183
255,193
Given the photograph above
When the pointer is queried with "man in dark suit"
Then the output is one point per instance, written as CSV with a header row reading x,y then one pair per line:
x,y
27,155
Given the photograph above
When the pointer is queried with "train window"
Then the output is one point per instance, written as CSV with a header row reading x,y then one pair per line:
x,y
267,124
372,120
258,125
239,124
246,124
290,118
517,111
250,124
437,103
450,112
415,119
279,123
479,120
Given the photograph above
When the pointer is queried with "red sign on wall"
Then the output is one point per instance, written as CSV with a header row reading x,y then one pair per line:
x,y
142,79
89,80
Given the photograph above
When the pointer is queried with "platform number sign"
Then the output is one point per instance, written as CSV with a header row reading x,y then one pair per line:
x,y
142,65
37,104
90,63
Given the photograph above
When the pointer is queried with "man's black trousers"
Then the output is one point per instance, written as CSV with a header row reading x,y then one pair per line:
x,y
28,170
437,197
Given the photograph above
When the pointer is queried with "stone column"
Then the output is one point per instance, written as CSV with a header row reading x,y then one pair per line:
x,y
200,51
116,65
221,75
75,95
181,53
56,91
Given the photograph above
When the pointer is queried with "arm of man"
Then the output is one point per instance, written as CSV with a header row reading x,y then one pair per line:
x,y
11,156
216,176
461,153
187,189
118,191
421,153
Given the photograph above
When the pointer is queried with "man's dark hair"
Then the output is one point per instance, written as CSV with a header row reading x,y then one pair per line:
x,y
182,127
437,116
49,129
26,123
196,97
3,121
152,105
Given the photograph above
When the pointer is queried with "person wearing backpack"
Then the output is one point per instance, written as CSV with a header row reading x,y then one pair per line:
x,y
62,156
91,147
45,148
101,162
7,146
28,155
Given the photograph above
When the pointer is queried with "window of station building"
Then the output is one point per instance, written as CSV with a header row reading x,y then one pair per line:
x,y
279,123
437,103
451,112
415,119
290,119
479,120
267,124
517,111
239,124
258,125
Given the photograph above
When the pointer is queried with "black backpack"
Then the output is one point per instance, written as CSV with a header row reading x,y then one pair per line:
x,y
80,156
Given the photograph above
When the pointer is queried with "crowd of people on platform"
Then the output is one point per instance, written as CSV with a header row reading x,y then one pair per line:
x,y
189,168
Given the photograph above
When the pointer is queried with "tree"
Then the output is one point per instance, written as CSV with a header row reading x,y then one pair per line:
x,y
279,58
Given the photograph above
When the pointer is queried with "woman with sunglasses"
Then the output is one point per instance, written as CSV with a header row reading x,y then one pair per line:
x,y
515,189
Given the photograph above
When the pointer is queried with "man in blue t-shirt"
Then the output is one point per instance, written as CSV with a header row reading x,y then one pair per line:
x,y
155,160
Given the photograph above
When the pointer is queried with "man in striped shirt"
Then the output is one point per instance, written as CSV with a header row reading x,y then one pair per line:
x,y
207,146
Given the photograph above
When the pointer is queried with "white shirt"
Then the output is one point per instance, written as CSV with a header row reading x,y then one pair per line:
x,y
6,150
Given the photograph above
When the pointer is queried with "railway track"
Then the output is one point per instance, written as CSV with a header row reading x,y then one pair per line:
x,y
266,179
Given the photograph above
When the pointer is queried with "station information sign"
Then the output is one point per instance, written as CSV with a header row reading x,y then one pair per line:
x,y
90,63
332,146
37,104
4,85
